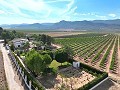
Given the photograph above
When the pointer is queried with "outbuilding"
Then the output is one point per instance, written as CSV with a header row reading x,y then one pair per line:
x,y
76,64
19,42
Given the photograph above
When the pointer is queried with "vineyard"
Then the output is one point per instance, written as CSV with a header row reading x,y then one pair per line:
x,y
96,50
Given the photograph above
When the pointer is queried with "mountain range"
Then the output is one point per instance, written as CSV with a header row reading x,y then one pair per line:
x,y
95,25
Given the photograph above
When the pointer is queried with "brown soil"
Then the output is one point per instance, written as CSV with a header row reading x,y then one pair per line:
x,y
3,82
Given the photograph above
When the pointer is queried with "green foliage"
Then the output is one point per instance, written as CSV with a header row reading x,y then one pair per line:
x,y
56,64
47,52
30,77
69,51
26,45
46,39
11,34
85,45
61,56
34,61
5,41
12,47
1,30
43,38
114,57
47,60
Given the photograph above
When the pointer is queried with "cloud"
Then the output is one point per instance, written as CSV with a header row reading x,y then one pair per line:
x,y
89,16
2,12
40,10
69,6
72,11
39,6
112,15
54,1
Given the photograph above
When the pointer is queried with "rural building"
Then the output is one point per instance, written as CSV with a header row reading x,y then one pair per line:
x,y
76,64
19,42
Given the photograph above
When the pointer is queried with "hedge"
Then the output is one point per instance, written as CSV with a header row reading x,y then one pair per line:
x,y
94,82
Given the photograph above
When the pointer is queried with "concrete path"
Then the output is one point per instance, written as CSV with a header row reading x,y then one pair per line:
x,y
12,79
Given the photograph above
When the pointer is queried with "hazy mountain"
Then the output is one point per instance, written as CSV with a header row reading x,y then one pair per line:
x,y
116,21
96,25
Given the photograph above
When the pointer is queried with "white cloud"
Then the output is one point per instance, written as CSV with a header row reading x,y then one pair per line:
x,y
112,15
40,10
54,1
39,6
69,6
2,12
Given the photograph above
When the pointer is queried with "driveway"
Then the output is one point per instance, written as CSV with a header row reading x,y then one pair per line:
x,y
12,78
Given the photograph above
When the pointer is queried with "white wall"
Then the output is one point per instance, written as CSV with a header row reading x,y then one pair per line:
x,y
76,64
16,44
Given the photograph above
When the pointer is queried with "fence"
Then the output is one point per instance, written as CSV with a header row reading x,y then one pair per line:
x,y
22,75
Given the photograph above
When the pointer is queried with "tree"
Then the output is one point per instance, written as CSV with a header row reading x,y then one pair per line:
x,y
14,32
5,42
43,38
61,56
47,52
4,34
49,40
1,30
35,62
69,51
12,47
26,46
47,60
46,39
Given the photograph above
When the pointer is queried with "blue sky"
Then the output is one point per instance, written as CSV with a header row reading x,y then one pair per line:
x,y
44,11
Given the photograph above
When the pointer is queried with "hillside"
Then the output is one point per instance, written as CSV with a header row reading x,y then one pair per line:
x,y
99,25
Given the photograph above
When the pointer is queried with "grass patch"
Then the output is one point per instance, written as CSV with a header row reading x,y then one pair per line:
x,y
56,64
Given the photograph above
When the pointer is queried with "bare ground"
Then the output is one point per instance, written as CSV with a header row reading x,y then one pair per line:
x,y
3,82
57,34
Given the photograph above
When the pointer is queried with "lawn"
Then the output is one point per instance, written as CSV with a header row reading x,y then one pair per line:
x,y
55,64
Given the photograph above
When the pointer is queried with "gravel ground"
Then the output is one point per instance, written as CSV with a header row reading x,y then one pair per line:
x,y
3,82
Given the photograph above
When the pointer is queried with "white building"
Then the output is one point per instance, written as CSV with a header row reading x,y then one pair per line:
x,y
76,64
19,42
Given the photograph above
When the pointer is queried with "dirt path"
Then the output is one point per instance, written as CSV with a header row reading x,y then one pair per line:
x,y
12,79
57,46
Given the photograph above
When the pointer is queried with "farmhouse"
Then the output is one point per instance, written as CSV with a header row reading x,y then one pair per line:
x,y
19,42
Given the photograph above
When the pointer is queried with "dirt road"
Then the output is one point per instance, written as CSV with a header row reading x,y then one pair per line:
x,y
12,78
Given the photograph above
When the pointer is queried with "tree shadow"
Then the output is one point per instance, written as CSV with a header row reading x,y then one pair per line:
x,y
70,72
48,81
